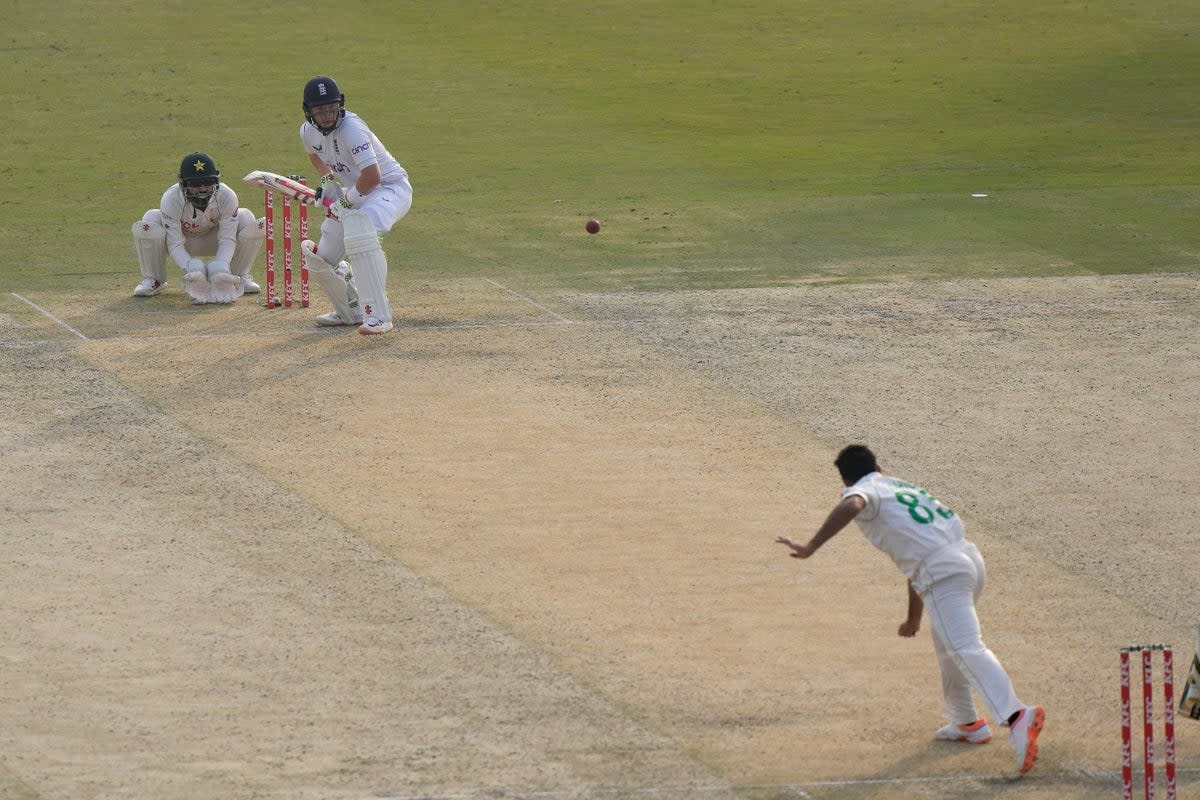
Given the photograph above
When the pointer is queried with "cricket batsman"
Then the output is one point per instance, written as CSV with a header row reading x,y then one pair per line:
x,y
365,192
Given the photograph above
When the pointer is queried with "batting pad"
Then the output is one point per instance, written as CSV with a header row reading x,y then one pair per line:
x,y
333,285
370,265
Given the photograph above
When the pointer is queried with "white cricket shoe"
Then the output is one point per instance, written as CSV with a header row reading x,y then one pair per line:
x,y
148,288
1023,736
334,320
977,732
249,286
372,327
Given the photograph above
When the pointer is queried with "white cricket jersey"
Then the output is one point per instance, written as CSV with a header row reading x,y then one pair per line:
x,y
184,221
349,149
910,525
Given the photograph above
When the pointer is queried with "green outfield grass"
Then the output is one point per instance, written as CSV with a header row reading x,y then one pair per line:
x,y
720,143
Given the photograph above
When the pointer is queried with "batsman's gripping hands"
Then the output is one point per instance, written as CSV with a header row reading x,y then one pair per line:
x,y
333,197
330,191
334,210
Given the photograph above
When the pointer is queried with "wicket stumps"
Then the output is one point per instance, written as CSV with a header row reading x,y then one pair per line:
x,y
1168,684
288,250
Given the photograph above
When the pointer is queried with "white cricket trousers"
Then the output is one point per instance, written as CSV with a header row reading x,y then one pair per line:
x,y
385,206
966,663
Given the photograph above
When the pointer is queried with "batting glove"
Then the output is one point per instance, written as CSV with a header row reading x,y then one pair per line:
x,y
330,190
335,210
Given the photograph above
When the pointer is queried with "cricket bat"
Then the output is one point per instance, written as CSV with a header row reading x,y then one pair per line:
x,y
281,184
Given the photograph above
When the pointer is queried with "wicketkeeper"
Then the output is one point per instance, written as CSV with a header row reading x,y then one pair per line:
x,y
199,216
364,191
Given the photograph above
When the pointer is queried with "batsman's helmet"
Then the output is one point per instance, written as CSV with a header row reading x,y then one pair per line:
x,y
198,178
321,91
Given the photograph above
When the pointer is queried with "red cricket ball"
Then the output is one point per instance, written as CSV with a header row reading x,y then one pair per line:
x,y
593,226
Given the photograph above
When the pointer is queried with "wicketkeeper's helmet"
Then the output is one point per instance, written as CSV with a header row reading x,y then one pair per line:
x,y
198,178
321,91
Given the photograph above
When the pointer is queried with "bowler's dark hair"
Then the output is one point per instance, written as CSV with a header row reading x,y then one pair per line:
x,y
855,461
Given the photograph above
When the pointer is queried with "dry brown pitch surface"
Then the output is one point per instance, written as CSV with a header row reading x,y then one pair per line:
x,y
523,546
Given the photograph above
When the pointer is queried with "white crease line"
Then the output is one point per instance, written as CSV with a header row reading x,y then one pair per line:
x,y
51,316
533,303
794,788
319,332
584,793
401,329
1109,775
473,325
